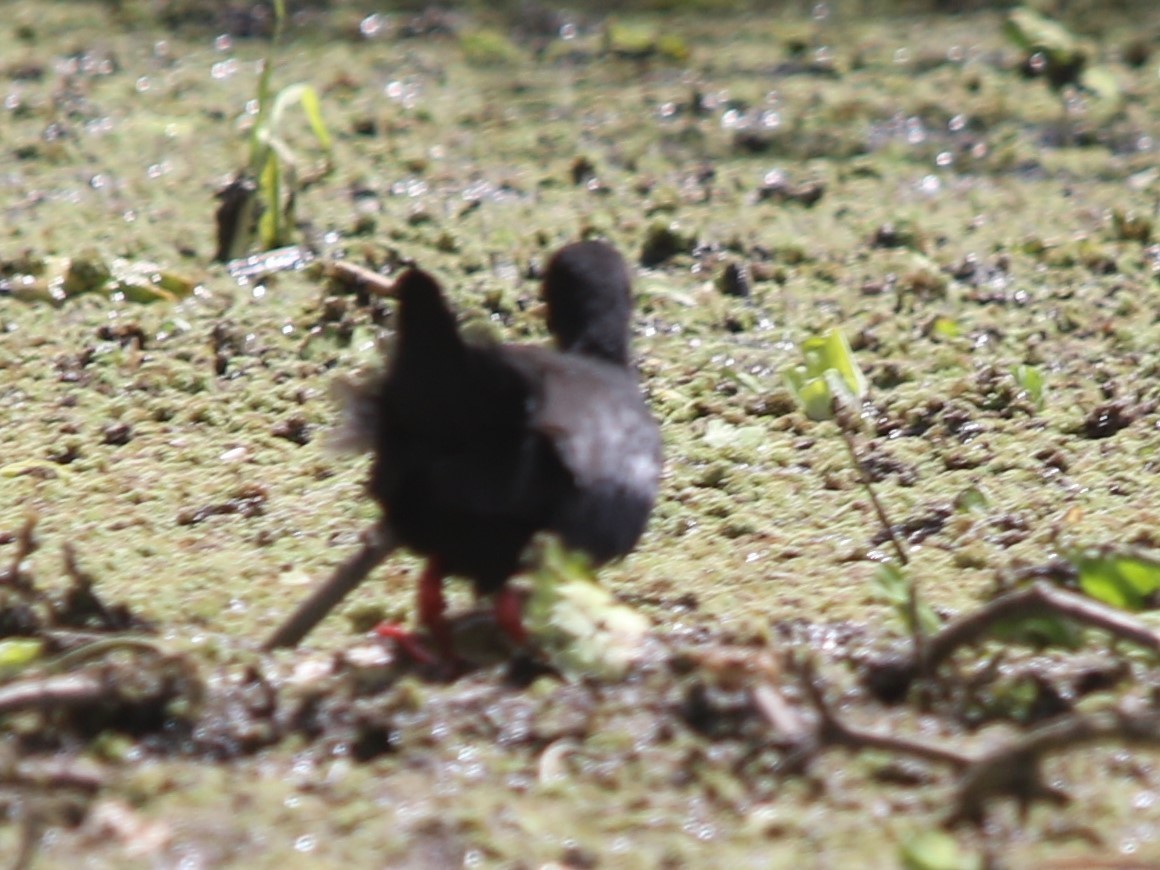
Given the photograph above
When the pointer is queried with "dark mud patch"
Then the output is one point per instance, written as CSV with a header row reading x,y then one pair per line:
x,y
714,729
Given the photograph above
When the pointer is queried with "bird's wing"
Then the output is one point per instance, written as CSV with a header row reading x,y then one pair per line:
x,y
594,416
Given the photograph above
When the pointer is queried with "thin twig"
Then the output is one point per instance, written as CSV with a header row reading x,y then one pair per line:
x,y
48,693
360,276
1011,769
832,731
1035,600
13,575
916,629
864,479
54,773
377,543
99,647
1014,768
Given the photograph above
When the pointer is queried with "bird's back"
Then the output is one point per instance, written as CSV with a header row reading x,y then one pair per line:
x,y
608,443
479,446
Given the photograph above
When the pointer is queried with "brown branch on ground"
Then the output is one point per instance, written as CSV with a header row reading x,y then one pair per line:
x,y
891,678
52,773
131,693
359,277
53,693
81,604
1035,600
832,731
38,792
1014,768
13,576
378,542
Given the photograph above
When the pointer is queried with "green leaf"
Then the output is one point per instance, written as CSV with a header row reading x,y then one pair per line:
x,y
896,589
1033,32
892,585
832,353
936,850
86,273
1040,631
1030,381
721,435
312,106
945,327
142,281
829,372
971,500
17,653
307,97
580,626
813,393
270,188
1125,580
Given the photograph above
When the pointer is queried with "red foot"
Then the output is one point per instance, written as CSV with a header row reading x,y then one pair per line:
x,y
408,642
432,608
507,607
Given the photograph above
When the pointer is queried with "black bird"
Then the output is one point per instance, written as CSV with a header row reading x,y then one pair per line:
x,y
477,447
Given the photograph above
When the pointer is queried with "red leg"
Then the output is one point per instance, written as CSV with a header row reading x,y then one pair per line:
x,y
432,607
508,609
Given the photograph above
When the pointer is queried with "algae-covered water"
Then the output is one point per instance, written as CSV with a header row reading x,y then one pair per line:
x,y
981,234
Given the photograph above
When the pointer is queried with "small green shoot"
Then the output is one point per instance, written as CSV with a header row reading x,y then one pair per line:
x,y
830,373
830,386
269,185
1030,381
1129,581
897,590
274,163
